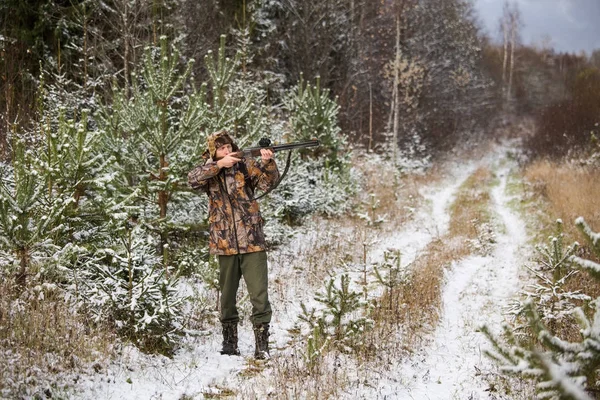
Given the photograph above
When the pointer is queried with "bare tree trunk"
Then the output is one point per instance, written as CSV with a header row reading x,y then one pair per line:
x,y
126,43
85,50
370,147
163,194
504,27
513,33
58,61
515,24
392,108
163,200
397,92
24,261
505,59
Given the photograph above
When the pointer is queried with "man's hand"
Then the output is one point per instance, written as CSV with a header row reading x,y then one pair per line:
x,y
228,161
266,155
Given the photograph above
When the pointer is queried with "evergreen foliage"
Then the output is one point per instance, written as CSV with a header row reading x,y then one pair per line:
x,y
127,285
30,218
554,269
319,179
341,318
314,116
99,200
152,136
562,369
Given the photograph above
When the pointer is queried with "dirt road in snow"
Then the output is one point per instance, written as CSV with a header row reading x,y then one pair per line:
x,y
476,289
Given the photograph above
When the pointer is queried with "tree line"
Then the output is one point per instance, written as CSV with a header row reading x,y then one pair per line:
x,y
409,66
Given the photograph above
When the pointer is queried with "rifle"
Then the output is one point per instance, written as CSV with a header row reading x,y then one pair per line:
x,y
265,143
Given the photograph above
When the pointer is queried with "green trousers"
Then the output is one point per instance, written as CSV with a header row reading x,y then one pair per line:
x,y
253,267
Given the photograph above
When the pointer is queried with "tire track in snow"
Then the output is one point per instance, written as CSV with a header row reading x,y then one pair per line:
x,y
475,291
429,223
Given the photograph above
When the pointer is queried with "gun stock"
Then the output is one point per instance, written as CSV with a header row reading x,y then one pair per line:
x,y
255,151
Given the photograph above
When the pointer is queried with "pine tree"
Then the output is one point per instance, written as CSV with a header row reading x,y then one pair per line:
x,y
340,303
313,115
30,217
238,99
319,179
154,136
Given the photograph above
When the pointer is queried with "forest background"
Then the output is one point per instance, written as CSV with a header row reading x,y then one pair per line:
x,y
105,106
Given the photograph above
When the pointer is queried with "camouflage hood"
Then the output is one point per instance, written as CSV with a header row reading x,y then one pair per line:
x,y
216,140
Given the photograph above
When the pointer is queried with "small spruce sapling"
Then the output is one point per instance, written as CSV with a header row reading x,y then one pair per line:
x,y
391,274
317,338
555,258
370,215
341,306
562,369
553,303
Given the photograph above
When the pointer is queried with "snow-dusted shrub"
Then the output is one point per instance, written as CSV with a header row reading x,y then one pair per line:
x,y
413,156
310,188
127,285
562,369
556,258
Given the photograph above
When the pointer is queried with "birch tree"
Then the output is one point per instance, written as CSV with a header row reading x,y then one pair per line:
x,y
510,24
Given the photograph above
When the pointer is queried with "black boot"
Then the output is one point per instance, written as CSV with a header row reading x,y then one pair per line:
x,y
261,340
230,340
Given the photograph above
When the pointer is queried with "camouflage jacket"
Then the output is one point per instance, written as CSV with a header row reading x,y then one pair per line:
x,y
235,223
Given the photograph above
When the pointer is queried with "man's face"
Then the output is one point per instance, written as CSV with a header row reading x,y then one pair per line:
x,y
223,151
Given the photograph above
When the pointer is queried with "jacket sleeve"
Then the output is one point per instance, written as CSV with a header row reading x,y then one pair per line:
x,y
264,175
198,177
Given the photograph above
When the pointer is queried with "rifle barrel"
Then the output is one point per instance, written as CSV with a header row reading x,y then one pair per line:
x,y
255,151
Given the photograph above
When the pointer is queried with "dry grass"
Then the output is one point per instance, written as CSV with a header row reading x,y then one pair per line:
x,y
41,336
470,209
566,191
290,379
569,191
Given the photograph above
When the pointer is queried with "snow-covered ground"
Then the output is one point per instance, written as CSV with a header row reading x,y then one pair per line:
x,y
449,366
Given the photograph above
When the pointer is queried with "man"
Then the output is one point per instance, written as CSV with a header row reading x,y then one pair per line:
x,y
236,233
